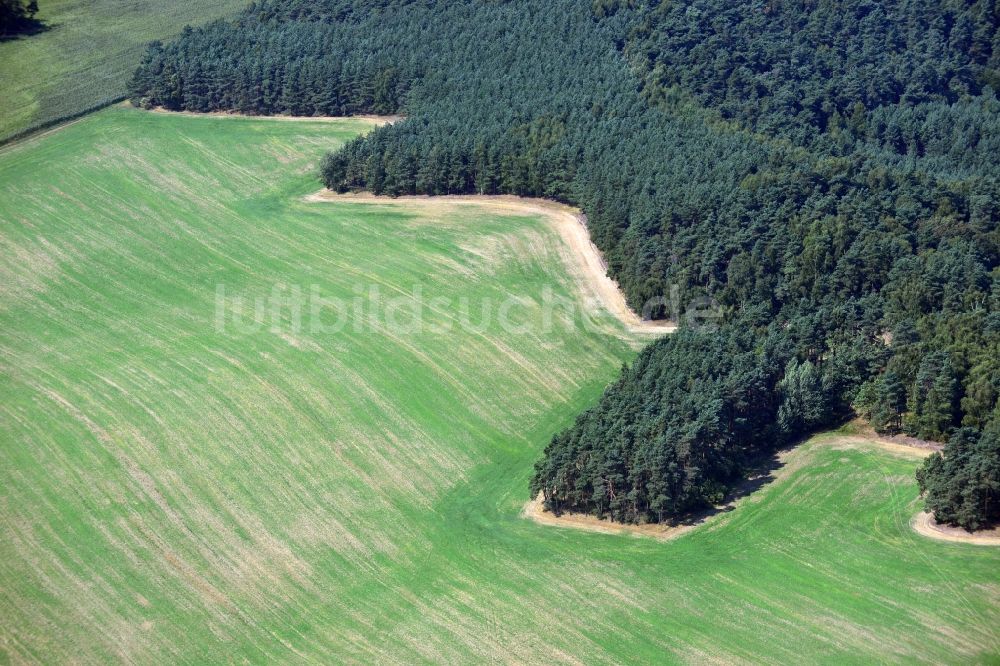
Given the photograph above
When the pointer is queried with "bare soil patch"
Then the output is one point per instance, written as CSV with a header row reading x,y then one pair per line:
x,y
568,222
884,443
922,447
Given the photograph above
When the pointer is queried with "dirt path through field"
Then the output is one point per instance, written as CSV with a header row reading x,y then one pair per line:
x,y
925,524
583,256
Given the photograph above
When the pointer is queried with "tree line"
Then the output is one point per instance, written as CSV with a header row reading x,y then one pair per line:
x,y
826,173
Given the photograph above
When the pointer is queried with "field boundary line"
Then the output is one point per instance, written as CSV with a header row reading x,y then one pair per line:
x,y
535,511
376,119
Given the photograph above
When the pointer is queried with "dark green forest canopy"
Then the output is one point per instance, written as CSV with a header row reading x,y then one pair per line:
x,y
826,73
826,171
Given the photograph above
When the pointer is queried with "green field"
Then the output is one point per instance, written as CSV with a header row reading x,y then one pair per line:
x,y
174,491
87,54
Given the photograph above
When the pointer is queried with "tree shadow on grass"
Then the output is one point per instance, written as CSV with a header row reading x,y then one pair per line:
x,y
26,28
760,472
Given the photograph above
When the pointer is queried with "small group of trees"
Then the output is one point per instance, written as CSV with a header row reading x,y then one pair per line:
x,y
826,172
684,422
962,484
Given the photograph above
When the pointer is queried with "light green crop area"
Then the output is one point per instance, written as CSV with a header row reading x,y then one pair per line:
x,y
87,54
180,485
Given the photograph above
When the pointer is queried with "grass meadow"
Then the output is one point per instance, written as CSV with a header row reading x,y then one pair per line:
x,y
86,55
176,490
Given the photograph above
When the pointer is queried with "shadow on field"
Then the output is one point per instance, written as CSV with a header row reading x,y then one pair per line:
x,y
25,28
760,473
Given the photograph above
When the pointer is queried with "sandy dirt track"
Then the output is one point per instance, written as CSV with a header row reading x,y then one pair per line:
x,y
535,510
376,120
568,222
925,525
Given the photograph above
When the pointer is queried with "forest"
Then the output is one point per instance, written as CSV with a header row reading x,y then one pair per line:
x,y
824,171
